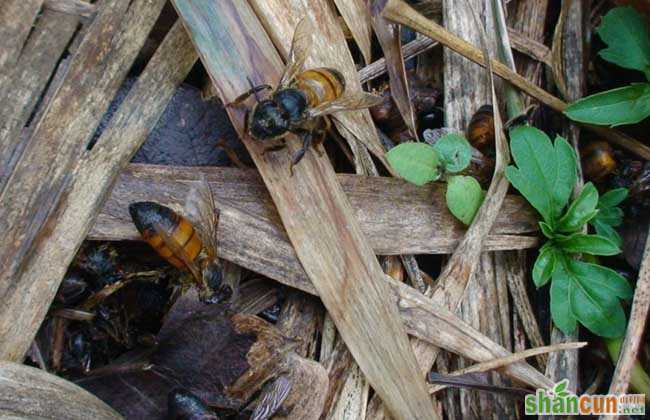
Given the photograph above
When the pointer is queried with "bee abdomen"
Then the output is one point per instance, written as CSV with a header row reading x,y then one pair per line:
x,y
598,160
480,130
150,218
321,85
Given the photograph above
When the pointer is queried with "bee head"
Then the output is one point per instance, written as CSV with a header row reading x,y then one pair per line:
x,y
269,120
217,291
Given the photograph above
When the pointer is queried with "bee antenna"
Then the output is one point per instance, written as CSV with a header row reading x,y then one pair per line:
x,y
254,89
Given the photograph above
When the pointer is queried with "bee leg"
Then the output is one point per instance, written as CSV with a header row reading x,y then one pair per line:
x,y
230,152
321,134
320,138
252,91
307,138
279,144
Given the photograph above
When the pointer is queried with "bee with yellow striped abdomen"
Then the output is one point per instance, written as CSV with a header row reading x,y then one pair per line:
x,y
300,98
186,245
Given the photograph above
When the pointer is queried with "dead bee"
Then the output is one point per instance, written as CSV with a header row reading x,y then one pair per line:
x,y
80,349
185,245
299,99
480,130
102,262
73,288
598,160
185,405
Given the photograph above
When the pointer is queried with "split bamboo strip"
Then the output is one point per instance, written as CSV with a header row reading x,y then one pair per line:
x,y
313,208
20,90
30,393
397,217
27,295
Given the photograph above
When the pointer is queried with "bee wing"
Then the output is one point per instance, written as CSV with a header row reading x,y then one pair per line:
x,y
300,46
179,252
273,399
202,211
352,101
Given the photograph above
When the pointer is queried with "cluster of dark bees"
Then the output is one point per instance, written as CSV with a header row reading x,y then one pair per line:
x,y
124,317
102,309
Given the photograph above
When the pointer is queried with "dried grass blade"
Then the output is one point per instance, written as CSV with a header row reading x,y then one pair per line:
x,y
390,41
356,15
470,381
516,278
508,360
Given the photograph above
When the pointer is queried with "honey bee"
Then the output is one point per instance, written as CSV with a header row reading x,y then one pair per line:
x,y
298,101
186,245
480,130
598,160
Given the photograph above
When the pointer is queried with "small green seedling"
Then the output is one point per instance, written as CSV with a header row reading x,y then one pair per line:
x,y
627,36
420,163
581,291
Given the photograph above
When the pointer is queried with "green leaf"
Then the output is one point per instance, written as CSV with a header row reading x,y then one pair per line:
x,y
581,210
560,310
606,278
544,265
626,105
611,215
589,244
627,36
455,151
547,230
612,198
545,172
567,173
415,162
594,293
603,229
590,294
464,197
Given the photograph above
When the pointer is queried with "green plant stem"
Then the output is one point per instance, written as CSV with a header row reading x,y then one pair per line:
x,y
514,103
639,380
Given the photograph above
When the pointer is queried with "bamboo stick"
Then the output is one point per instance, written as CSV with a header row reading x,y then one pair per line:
x,y
16,19
20,90
31,393
27,295
397,217
72,7
523,44
515,357
313,208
